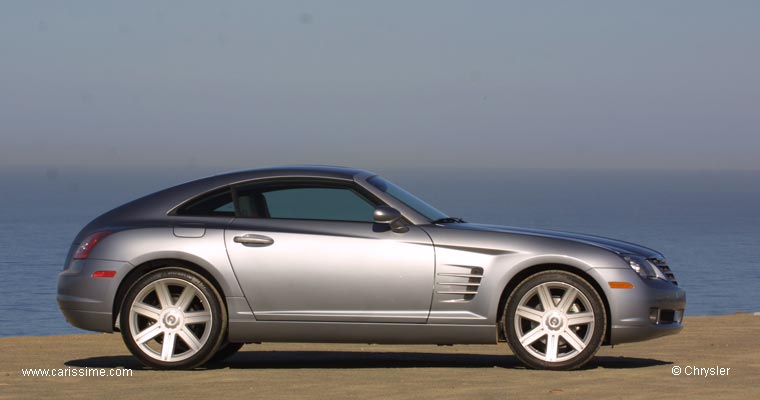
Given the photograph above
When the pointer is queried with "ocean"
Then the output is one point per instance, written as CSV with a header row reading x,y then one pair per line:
x,y
707,223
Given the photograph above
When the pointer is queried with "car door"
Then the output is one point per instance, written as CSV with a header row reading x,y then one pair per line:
x,y
309,251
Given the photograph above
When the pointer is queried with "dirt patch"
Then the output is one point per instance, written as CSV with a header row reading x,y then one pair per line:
x,y
330,371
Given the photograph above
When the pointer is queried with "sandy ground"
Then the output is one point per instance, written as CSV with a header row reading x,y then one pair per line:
x,y
329,371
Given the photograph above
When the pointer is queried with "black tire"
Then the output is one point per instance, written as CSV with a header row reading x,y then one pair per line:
x,y
562,340
173,318
225,351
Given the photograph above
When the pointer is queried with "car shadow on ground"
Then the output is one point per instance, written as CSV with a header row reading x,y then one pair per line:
x,y
360,359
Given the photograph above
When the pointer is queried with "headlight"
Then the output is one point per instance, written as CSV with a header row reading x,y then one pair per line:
x,y
644,267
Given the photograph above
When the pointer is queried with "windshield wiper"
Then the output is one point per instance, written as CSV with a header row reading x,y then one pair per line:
x,y
449,220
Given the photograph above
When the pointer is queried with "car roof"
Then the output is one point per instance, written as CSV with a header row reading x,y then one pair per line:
x,y
325,171
156,205
184,191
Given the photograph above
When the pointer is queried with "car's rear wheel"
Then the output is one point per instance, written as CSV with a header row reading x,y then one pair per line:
x,y
173,318
554,320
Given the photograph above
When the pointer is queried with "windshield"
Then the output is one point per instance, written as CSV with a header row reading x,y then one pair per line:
x,y
407,198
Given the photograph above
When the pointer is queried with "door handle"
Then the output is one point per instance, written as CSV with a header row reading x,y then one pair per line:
x,y
253,240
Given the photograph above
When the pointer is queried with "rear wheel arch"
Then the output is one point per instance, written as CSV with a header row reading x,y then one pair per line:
x,y
149,266
535,269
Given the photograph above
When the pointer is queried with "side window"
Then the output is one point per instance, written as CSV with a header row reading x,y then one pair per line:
x,y
336,204
303,200
218,204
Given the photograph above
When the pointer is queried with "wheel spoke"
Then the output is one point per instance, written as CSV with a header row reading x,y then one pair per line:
x,y
197,317
567,299
530,313
189,338
167,349
552,346
184,300
546,297
146,310
532,336
580,318
573,340
148,333
162,292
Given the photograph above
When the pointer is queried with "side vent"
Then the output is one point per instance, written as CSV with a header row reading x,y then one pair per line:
x,y
458,283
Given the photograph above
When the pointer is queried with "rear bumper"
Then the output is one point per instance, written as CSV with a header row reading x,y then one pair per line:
x,y
652,309
87,302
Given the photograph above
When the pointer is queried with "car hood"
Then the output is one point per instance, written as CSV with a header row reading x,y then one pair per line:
x,y
617,246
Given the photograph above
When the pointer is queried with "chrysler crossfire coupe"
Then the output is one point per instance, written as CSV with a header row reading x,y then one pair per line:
x,y
189,274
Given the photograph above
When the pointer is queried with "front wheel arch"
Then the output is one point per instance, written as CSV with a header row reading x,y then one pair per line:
x,y
532,270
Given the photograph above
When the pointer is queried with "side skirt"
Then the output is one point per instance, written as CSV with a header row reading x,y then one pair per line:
x,y
348,332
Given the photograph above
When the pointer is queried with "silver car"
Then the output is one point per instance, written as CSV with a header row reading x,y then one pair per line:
x,y
330,254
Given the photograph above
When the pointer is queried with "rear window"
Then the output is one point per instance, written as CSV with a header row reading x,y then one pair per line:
x,y
213,204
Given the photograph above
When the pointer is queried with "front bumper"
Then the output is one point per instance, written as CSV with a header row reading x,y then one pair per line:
x,y
87,302
651,309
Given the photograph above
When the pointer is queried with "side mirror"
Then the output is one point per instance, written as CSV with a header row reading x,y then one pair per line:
x,y
390,216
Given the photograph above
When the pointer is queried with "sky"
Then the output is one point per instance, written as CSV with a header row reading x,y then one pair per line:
x,y
500,84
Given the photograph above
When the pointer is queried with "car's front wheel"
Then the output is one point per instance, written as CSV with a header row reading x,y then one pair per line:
x,y
554,320
173,318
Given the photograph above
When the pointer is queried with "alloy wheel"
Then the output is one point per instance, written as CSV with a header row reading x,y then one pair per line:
x,y
554,321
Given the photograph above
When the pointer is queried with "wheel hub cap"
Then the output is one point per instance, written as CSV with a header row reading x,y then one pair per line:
x,y
555,321
172,318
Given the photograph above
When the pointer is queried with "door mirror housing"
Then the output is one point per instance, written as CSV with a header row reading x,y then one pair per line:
x,y
390,216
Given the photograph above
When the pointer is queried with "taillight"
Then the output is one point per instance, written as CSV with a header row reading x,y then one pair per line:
x,y
89,243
